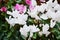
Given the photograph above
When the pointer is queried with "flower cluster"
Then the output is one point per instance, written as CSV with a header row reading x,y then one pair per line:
x,y
49,11
17,18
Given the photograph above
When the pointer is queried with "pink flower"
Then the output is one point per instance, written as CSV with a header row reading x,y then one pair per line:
x,y
42,0
31,7
20,8
3,9
28,2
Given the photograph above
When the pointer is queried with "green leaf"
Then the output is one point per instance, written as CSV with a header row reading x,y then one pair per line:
x,y
34,35
58,37
18,1
9,34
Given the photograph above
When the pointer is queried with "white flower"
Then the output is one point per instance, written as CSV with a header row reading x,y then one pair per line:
x,y
33,2
57,7
50,14
44,16
45,29
33,29
33,13
52,23
11,21
24,31
49,5
14,13
42,8
57,17
55,3
17,18
54,15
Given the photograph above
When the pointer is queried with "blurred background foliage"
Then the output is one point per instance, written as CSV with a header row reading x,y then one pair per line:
x,y
7,33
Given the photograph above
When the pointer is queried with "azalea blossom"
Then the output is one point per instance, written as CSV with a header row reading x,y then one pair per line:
x,y
57,7
3,9
54,15
34,13
28,2
57,17
31,28
46,11
24,31
13,21
31,2
45,29
17,18
42,8
20,8
50,14
31,7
